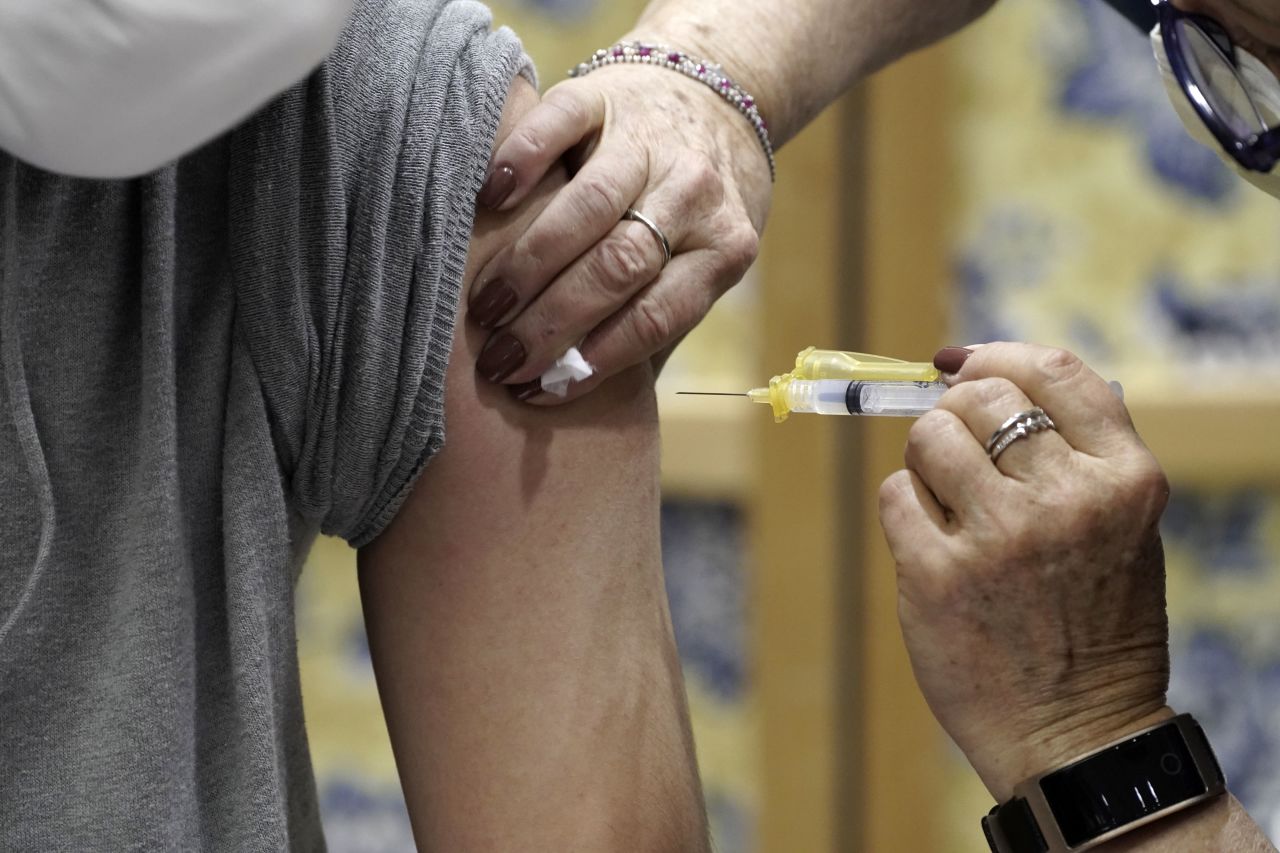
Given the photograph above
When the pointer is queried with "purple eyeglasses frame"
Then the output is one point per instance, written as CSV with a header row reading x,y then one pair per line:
x,y
1258,152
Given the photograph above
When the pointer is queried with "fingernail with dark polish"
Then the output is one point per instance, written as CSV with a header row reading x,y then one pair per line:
x,y
951,359
527,390
492,303
498,186
501,356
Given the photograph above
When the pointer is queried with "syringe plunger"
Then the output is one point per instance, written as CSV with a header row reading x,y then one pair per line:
x,y
859,397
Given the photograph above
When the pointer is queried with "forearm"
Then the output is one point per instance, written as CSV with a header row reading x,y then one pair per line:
x,y
796,58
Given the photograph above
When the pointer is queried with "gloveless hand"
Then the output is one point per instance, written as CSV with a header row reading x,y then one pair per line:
x,y
1031,591
637,137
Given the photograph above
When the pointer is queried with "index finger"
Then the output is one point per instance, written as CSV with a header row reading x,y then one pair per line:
x,y
563,119
1085,410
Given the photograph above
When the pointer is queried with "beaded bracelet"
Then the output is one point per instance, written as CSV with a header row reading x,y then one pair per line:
x,y
705,72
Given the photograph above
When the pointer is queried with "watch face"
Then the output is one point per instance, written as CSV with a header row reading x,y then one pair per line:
x,y
1143,775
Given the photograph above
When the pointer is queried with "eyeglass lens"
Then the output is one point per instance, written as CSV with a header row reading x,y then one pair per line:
x,y
1218,82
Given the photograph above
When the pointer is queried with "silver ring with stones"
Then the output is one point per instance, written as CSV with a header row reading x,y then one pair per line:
x,y
1019,426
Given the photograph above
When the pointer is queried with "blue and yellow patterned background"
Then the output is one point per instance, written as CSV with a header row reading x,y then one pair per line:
x,y
1083,216
1087,218
360,797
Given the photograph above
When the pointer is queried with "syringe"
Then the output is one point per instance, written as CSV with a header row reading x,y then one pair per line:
x,y
832,382
791,392
851,397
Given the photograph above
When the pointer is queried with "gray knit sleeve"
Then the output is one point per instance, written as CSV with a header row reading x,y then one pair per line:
x,y
352,203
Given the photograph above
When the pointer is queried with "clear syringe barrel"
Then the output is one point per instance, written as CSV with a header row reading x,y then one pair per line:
x,y
863,397
894,399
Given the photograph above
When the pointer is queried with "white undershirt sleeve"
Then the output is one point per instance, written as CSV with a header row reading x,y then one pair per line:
x,y
117,88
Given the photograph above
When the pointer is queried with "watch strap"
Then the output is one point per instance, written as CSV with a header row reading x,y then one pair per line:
x,y
1027,823
1012,826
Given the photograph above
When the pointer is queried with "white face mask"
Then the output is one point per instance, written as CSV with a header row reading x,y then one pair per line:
x,y
1263,87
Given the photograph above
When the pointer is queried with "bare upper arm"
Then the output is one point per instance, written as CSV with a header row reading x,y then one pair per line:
x,y
519,624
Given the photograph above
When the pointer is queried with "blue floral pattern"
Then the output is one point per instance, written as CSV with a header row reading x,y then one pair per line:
x,y
1106,229
364,816
1112,79
703,554
1231,321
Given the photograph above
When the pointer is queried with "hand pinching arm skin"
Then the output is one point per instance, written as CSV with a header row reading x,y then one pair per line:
x,y
644,137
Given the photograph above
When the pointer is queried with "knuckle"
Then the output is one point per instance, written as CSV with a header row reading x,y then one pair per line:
x,y
540,330
621,261
932,427
1149,486
598,198
703,178
565,106
743,245
561,99
984,393
701,187
531,140
527,261
1058,364
546,334
652,322
893,492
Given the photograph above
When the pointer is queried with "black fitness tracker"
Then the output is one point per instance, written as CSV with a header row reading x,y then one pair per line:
x,y
1128,783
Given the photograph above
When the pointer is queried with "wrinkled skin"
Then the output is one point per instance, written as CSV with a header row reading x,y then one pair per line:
x,y
1031,591
639,137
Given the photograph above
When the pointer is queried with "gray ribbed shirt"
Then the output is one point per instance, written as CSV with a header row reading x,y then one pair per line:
x,y
201,369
